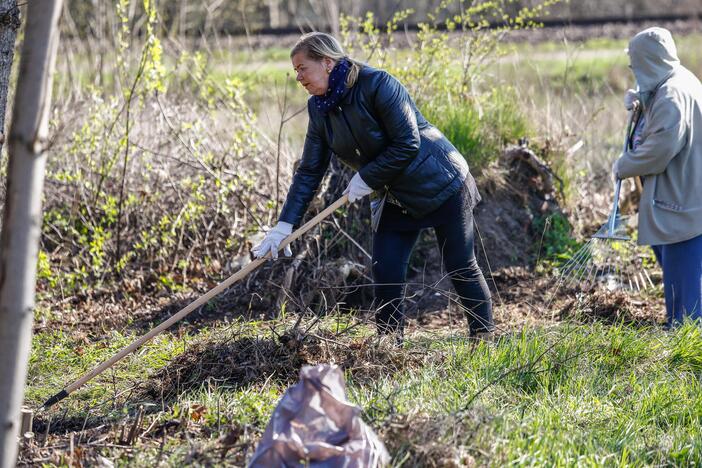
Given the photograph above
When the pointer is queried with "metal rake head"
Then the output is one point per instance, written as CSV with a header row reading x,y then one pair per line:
x,y
608,263
614,229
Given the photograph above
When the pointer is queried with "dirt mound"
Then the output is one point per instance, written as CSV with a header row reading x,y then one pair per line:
x,y
241,361
515,190
613,307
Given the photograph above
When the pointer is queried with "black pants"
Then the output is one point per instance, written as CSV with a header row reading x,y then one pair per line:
x,y
393,244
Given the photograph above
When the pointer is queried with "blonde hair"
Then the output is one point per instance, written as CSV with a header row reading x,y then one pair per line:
x,y
318,45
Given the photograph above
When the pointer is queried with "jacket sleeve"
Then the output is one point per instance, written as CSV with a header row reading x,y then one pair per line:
x,y
310,172
664,137
394,110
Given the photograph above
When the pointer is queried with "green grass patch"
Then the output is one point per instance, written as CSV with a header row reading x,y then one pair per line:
x,y
568,395
479,129
556,242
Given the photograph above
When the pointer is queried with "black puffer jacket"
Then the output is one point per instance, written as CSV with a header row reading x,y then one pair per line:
x,y
378,131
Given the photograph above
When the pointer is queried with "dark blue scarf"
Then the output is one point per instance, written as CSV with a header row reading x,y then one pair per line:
x,y
337,86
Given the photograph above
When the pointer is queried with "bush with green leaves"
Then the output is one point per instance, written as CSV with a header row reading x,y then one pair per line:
x,y
445,69
557,244
148,184
163,181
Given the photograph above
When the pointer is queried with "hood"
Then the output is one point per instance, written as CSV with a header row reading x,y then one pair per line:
x,y
653,58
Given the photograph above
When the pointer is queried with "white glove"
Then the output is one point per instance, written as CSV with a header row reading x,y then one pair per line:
x,y
631,99
272,241
357,188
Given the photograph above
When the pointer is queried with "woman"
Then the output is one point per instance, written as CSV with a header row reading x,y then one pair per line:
x,y
667,155
366,118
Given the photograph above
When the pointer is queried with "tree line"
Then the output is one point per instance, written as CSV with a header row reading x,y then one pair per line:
x,y
198,17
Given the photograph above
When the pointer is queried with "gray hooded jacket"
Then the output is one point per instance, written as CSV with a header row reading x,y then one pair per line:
x,y
669,158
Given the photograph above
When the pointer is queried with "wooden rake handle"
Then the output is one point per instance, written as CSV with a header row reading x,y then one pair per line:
x,y
193,305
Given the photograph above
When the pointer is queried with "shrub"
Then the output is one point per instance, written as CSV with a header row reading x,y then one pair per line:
x,y
479,129
444,70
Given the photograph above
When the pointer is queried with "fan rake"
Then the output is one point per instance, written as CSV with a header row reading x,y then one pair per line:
x,y
609,258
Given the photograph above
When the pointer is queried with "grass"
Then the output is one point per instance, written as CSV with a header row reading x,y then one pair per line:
x,y
565,395
557,244
479,130
58,358
574,90
561,394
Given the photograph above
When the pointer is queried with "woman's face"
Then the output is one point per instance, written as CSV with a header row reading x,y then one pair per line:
x,y
313,75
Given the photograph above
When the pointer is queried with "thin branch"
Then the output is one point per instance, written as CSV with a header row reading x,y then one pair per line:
x,y
202,163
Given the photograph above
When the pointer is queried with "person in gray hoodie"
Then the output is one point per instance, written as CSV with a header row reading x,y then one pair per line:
x,y
666,153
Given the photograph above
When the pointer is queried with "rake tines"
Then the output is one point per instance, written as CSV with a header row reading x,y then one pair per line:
x,y
607,263
609,258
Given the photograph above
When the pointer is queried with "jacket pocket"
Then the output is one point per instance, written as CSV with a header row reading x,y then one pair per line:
x,y
429,176
663,198
414,166
669,206
662,195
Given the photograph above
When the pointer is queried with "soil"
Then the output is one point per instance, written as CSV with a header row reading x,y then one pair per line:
x,y
513,192
513,195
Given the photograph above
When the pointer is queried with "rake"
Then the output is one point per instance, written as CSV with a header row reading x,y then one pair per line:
x,y
67,390
609,258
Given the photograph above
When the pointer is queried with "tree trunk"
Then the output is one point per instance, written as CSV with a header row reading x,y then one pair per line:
x,y
9,23
22,218
274,14
332,12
